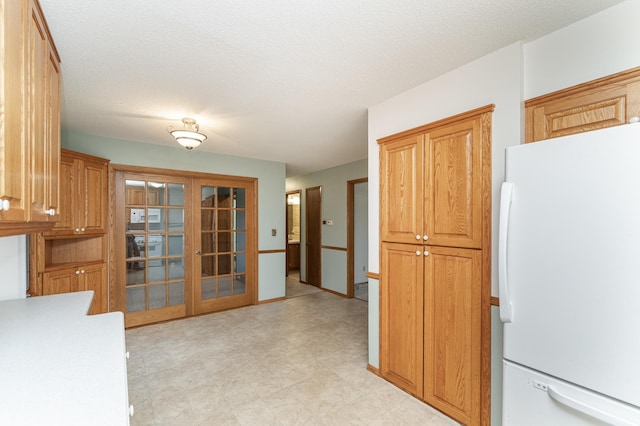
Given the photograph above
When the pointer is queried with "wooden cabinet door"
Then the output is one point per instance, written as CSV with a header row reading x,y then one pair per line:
x,y
94,277
401,316
94,186
37,51
14,165
52,133
68,195
60,281
452,330
81,278
453,185
401,217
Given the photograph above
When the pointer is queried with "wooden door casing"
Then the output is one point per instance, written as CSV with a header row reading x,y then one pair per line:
x,y
313,200
401,316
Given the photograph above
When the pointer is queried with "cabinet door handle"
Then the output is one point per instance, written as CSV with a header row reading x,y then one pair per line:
x,y
50,212
418,253
5,205
82,271
418,237
426,253
77,272
81,229
198,253
426,237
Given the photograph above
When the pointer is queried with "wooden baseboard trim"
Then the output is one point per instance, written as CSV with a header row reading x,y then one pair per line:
x,y
495,301
374,370
271,251
373,275
277,299
334,248
335,292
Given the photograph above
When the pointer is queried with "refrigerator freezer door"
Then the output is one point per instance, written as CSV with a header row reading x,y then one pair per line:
x,y
531,398
573,259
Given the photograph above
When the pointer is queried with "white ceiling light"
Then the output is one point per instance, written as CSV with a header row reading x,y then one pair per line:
x,y
189,136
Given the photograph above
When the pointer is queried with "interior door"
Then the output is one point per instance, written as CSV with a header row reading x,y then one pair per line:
x,y
224,244
151,224
313,219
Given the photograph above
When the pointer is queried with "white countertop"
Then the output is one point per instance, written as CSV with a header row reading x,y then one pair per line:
x,y
59,366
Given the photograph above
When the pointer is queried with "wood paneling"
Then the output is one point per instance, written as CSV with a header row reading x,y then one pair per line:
x,y
605,102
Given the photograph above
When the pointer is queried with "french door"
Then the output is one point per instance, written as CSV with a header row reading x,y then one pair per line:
x,y
225,231
182,245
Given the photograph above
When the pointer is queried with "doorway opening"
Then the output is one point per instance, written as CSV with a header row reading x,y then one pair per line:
x,y
294,287
357,238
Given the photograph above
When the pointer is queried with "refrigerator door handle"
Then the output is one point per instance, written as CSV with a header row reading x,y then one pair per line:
x,y
589,410
506,196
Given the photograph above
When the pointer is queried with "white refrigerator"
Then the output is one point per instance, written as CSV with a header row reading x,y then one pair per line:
x,y
569,279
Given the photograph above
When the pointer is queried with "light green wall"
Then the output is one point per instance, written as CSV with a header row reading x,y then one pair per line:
x,y
271,184
334,207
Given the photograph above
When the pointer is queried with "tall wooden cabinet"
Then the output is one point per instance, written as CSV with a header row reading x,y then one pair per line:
x,y
29,120
73,255
435,184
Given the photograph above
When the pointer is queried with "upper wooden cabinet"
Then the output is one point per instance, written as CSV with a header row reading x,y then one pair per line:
x,y
431,184
29,120
605,102
83,195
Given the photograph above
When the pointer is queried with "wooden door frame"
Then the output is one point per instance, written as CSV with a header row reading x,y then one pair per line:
x,y
306,235
351,233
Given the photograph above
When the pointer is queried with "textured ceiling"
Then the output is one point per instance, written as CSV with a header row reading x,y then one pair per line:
x,y
279,80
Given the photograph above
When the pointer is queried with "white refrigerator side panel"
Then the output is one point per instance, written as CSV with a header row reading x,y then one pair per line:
x,y
528,400
573,259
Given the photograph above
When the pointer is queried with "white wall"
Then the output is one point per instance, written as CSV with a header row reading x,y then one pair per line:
x,y
13,267
271,183
334,207
597,46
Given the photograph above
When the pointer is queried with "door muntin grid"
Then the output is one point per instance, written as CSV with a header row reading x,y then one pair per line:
x,y
154,238
223,239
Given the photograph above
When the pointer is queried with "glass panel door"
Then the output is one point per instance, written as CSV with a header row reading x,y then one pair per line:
x,y
222,275
154,237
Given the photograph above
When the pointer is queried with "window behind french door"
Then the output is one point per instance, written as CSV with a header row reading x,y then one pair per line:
x,y
182,245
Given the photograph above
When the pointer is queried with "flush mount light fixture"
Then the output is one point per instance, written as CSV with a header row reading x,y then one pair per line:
x,y
189,136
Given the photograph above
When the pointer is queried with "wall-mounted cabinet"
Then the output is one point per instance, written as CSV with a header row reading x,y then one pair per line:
x,y
83,195
29,120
